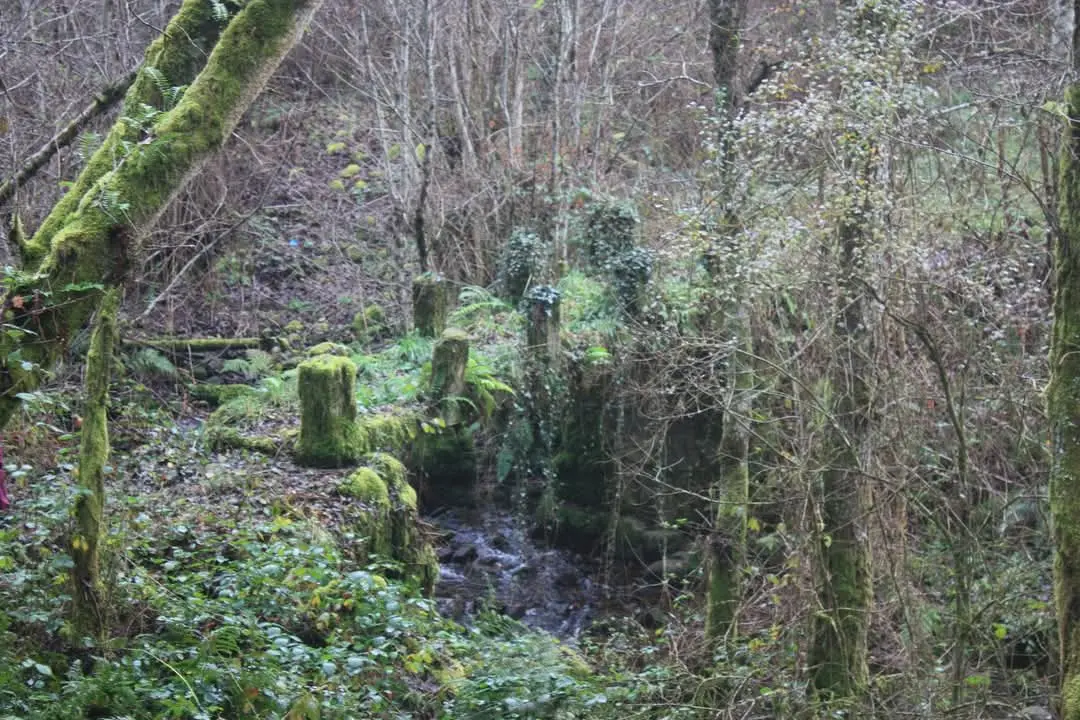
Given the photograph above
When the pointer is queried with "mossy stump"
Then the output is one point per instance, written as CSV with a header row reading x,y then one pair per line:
x,y
391,525
328,434
431,304
449,360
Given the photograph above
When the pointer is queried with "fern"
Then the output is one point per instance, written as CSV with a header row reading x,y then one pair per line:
x,y
221,13
150,363
224,642
474,301
484,386
257,364
89,142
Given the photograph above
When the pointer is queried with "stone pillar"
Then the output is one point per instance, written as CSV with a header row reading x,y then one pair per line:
x,y
449,360
542,332
328,434
431,304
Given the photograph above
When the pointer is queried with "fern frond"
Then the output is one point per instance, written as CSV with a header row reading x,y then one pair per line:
x,y
149,362
221,13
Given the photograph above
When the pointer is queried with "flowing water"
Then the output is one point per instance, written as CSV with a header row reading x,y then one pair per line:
x,y
489,561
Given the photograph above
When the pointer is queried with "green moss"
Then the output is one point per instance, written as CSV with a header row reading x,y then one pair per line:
x,y
328,348
369,323
449,360
447,461
178,55
88,237
1063,410
392,431
366,486
293,327
220,437
88,591
328,433
391,523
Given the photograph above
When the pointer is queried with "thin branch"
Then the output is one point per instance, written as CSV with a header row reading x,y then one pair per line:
x,y
104,100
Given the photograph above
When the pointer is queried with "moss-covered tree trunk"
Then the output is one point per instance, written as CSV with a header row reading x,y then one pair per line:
x,y
84,243
1063,403
88,606
839,651
727,541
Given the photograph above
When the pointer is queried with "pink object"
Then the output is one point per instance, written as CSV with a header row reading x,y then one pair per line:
x,y
5,502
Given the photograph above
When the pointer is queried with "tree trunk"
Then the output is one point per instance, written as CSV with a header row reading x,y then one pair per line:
x,y
1063,403
838,654
88,606
177,56
731,489
123,195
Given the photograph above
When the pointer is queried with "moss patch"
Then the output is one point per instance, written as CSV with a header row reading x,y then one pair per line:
x,y
391,523
328,432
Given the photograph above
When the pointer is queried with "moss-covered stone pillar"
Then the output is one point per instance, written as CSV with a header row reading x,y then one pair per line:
x,y
431,304
449,360
391,525
328,434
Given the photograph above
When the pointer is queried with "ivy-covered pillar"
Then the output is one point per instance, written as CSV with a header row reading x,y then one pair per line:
x,y
89,609
328,431
431,304
542,329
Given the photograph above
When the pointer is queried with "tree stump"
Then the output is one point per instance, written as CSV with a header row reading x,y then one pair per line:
x,y
431,304
328,434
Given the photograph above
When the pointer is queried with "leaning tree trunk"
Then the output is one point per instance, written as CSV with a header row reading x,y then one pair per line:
x,y
176,58
1063,402
727,541
89,246
88,606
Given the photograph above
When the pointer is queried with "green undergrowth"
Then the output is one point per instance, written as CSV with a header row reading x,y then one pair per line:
x,y
266,619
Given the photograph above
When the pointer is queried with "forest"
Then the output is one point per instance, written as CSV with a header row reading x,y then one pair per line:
x,y
539,359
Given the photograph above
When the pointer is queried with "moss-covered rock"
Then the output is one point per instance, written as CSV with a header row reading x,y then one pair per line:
x,y
328,348
328,432
391,431
220,394
220,437
431,304
391,522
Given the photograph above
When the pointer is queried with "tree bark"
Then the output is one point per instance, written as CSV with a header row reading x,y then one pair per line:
x,y
88,606
731,489
177,55
1063,402
87,247
839,649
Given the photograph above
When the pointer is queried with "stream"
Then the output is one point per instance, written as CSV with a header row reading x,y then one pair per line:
x,y
488,560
